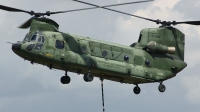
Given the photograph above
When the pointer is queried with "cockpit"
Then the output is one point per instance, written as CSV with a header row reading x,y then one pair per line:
x,y
34,37
37,40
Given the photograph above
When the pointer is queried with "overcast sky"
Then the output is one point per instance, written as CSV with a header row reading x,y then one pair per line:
x,y
34,88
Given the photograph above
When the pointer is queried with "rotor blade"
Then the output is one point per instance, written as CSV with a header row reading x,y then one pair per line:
x,y
189,22
26,24
127,3
10,43
100,7
6,8
156,21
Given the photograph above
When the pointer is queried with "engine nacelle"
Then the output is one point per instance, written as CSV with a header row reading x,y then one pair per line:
x,y
159,48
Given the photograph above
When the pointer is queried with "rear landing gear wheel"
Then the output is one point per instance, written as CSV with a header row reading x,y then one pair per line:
x,y
136,89
65,79
88,77
161,88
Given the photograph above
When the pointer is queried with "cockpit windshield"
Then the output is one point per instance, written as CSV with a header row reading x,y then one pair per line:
x,y
27,37
35,37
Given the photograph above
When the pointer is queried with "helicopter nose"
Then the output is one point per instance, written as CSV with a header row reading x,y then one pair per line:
x,y
16,47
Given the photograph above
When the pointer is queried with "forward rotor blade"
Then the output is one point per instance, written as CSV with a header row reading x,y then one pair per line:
x,y
26,24
10,43
156,21
6,8
100,7
189,22
48,13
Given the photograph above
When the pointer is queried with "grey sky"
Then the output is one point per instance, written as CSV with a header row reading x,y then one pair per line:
x,y
34,88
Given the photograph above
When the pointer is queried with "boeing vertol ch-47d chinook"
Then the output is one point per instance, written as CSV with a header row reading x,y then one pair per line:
x,y
157,56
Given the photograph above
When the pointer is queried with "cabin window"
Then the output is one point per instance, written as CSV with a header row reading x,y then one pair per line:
x,y
126,58
59,44
83,49
104,53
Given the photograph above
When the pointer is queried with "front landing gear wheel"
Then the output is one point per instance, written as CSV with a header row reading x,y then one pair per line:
x,y
88,77
65,79
136,90
161,88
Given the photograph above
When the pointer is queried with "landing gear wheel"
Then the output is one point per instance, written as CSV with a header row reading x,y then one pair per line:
x,y
65,79
88,77
161,88
136,90
84,78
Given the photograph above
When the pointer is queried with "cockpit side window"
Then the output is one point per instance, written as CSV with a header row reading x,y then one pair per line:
x,y
40,41
59,44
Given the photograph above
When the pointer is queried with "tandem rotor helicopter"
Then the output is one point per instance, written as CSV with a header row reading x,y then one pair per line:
x,y
157,56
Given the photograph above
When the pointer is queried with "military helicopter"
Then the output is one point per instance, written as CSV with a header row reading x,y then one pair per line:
x,y
157,56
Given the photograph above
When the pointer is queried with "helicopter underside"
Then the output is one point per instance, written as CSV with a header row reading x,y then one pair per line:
x,y
112,76
75,68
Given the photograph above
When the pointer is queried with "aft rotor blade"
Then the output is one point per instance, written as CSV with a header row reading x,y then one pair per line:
x,y
100,7
189,22
26,24
157,21
6,8
127,3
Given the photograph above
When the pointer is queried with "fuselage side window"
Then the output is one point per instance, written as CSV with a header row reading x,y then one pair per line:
x,y
59,44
